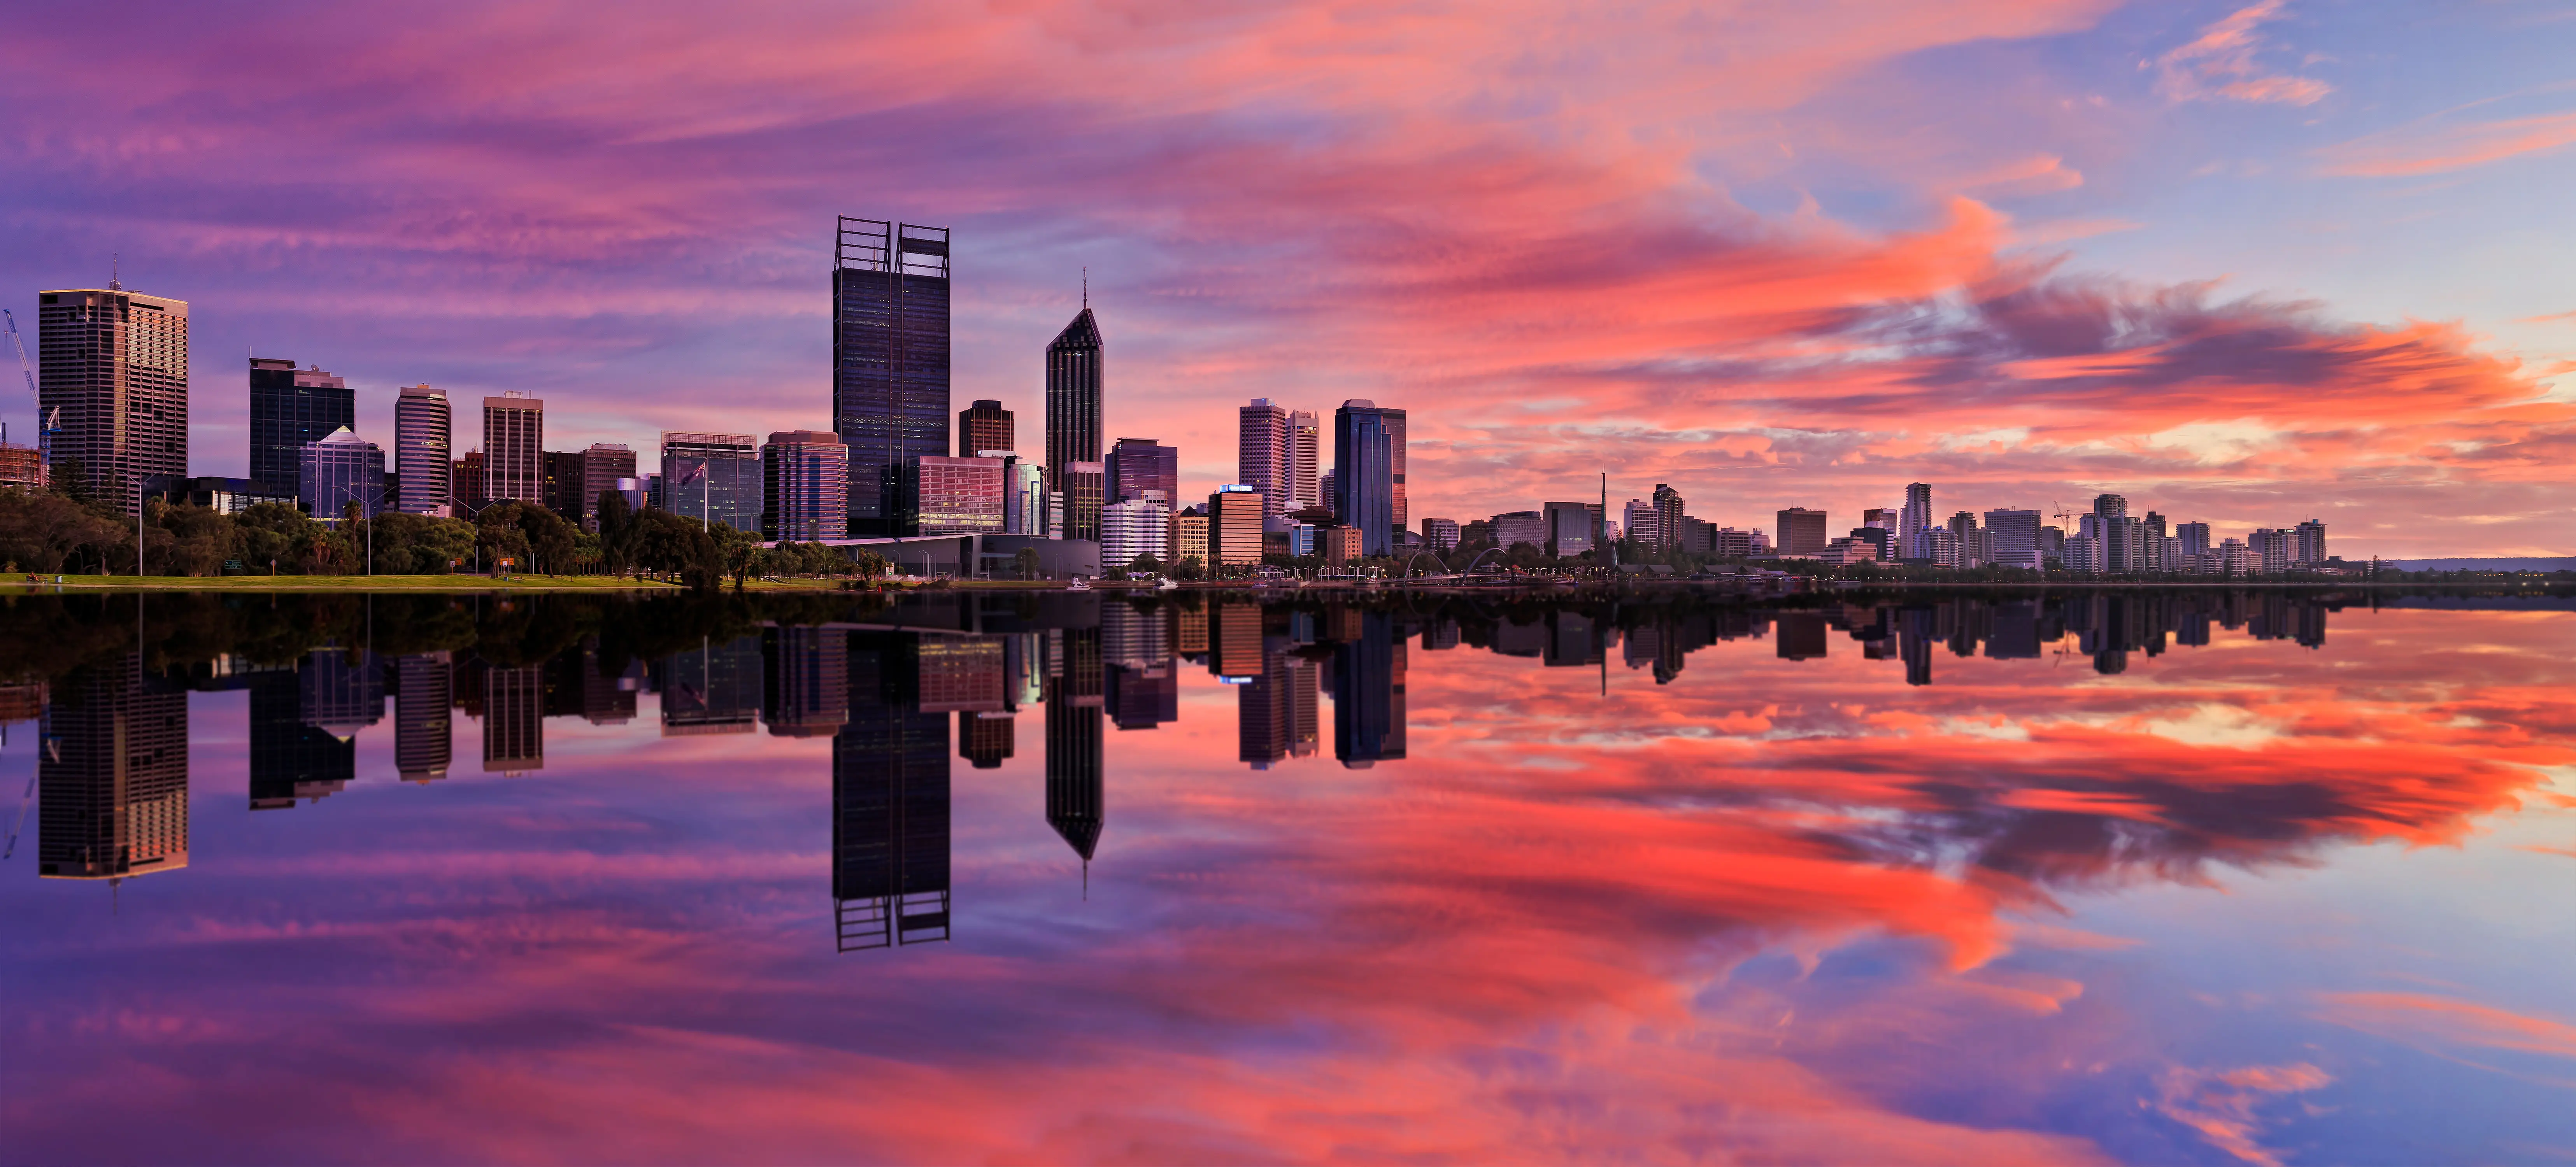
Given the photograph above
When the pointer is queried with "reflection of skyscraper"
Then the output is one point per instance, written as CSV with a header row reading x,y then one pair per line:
x,y
1368,693
1236,632
1075,794
960,674
113,776
808,694
514,720
425,686
1801,635
985,740
714,688
1141,689
1275,715
291,755
890,801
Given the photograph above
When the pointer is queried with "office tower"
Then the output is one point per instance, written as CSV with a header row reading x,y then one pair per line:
x,y
339,470
1569,527
1640,524
711,478
1913,517
1075,795
2120,542
1802,532
983,426
561,490
1276,714
424,441
1513,528
424,691
944,496
986,740
1331,503
891,801
2194,538
115,363
1964,533
809,689
1668,519
112,778
805,489
1368,692
2013,538
1880,517
1190,534
290,409
602,465
1140,689
958,674
465,485
1441,534
1073,379
889,355
2308,543
2110,506
1082,484
2082,553
1138,526
1394,420
2271,548
1138,466
514,437
1024,497
1800,635
1265,454
514,719
714,688
1304,459
1234,525
1364,474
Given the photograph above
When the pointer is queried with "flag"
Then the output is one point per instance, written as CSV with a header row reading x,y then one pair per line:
x,y
693,473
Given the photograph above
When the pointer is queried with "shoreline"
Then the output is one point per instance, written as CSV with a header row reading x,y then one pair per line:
x,y
471,584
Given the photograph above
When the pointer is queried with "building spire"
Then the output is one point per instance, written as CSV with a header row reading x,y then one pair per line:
x,y
112,284
1086,287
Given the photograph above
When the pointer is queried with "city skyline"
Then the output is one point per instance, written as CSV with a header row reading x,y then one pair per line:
x,y
1776,292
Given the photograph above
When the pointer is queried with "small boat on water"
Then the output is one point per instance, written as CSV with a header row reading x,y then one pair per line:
x,y
1166,584
1079,584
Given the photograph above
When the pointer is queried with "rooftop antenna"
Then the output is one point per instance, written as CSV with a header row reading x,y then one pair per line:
x,y
112,285
1086,286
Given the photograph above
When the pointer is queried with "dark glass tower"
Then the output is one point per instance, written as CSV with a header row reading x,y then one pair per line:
x,y
890,802
1073,396
1364,474
1075,786
288,408
889,353
1368,693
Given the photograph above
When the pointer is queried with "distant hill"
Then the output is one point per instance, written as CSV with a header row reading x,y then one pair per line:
x,y
2556,563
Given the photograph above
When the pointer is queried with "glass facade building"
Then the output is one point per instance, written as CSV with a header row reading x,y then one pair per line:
x,y
805,486
889,355
339,470
711,478
292,408
1364,474
424,454
1073,397
114,378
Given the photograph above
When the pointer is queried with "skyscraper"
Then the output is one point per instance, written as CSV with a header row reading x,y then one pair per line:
x,y
290,409
1913,517
1137,466
1082,484
1394,419
805,490
1802,532
113,776
1265,454
514,719
1364,474
985,425
601,466
711,478
1304,438
424,741
1073,381
514,449
1668,520
424,441
889,353
1075,796
116,366
2308,543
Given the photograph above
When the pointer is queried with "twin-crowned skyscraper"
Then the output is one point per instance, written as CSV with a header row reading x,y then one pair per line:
x,y
889,354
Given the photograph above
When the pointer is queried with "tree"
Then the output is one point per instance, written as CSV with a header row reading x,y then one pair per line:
x,y
1190,567
616,525
272,535
1026,560
740,552
187,539
1146,564
44,531
872,566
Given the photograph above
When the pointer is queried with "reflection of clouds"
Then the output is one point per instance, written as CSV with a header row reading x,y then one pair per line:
x,y
2221,1105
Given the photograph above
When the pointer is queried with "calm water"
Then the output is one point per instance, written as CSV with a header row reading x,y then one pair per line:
x,y
2210,878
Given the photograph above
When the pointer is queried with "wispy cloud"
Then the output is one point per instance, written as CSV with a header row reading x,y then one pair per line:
x,y
2437,146
2222,64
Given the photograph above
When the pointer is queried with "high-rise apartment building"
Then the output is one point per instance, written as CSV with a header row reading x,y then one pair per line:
x,y
340,470
514,449
1364,454
1638,522
711,478
113,776
2194,538
1668,520
889,354
1073,385
291,408
1137,526
2271,548
2110,506
2308,543
1234,524
984,425
1914,516
602,466
116,367
424,441
1265,454
465,485
1802,532
805,490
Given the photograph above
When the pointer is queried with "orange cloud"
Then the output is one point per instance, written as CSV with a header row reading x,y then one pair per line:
x,y
2436,148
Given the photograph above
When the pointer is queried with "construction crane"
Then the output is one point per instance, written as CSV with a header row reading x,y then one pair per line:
x,y
45,427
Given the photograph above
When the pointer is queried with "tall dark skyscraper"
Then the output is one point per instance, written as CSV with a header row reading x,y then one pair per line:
x,y
1073,397
1368,693
1075,785
889,353
890,801
424,733
290,407
1364,474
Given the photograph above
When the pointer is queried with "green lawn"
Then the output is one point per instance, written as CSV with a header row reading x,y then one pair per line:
x,y
344,583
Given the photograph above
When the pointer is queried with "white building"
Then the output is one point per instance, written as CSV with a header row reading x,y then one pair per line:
x,y
1138,526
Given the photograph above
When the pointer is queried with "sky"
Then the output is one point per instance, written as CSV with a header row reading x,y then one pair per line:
x,y
2245,264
